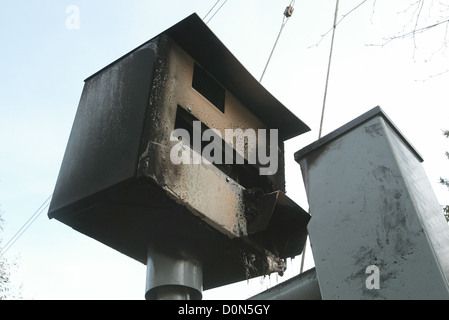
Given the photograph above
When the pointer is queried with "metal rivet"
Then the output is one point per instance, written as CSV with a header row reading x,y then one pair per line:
x,y
189,109
227,179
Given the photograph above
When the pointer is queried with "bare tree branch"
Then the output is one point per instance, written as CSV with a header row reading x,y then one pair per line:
x,y
410,33
418,15
434,75
374,9
438,11
342,18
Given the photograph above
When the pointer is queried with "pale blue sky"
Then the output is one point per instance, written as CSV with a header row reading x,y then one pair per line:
x,y
43,66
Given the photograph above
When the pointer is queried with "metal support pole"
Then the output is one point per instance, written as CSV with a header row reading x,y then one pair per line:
x,y
173,275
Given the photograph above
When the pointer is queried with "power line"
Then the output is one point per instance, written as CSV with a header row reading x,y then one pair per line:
x,y
211,9
215,11
329,68
334,27
287,14
25,226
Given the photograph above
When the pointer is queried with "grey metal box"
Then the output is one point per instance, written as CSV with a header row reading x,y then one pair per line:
x,y
373,210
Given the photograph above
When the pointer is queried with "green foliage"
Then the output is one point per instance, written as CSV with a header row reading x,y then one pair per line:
x,y
446,181
4,270
446,213
5,277
6,288
446,134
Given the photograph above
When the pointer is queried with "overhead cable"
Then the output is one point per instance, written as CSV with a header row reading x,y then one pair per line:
x,y
288,12
211,9
215,11
25,226
334,27
328,68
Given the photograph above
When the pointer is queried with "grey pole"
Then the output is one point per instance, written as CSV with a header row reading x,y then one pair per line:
x,y
173,275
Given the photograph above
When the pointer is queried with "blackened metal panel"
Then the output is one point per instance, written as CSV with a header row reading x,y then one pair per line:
x,y
204,46
124,119
195,37
280,225
104,143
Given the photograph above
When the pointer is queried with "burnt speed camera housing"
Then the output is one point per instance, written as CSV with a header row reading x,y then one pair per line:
x,y
118,184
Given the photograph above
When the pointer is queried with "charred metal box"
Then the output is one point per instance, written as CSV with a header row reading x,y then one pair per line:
x,y
121,181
